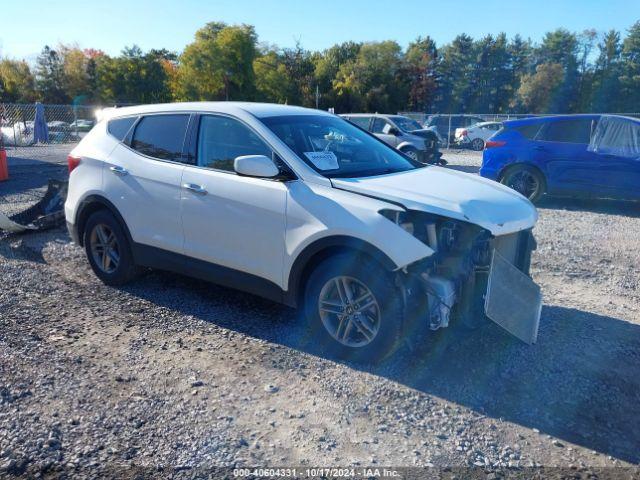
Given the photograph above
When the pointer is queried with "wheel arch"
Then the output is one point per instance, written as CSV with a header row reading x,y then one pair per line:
x,y
511,166
92,204
407,146
322,249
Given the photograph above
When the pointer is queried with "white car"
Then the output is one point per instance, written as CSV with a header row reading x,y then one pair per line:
x,y
301,207
475,135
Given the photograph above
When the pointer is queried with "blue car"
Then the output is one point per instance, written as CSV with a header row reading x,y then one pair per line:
x,y
567,155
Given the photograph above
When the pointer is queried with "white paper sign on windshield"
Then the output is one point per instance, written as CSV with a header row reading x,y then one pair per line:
x,y
323,160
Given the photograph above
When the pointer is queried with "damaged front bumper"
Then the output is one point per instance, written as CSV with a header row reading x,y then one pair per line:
x,y
486,277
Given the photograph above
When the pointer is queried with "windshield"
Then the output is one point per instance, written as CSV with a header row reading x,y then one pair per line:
x,y
406,124
334,147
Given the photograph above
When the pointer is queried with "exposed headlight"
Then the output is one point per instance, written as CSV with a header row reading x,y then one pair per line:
x,y
439,233
400,219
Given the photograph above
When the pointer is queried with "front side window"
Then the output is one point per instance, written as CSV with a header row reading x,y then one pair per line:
x,y
380,126
334,147
222,139
567,131
161,136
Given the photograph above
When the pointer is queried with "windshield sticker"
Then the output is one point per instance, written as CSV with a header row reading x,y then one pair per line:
x,y
323,160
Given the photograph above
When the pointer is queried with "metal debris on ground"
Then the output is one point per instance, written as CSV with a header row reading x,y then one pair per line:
x,y
46,213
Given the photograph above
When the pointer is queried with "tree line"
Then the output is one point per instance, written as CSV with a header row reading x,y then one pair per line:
x,y
565,72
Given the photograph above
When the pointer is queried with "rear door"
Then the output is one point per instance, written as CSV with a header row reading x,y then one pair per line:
x,y
143,177
560,149
618,157
230,220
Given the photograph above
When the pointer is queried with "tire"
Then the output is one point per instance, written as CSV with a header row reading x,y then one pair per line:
x,y
384,313
477,144
525,180
113,264
412,153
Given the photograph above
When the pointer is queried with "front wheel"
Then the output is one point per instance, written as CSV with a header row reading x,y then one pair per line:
x,y
412,153
353,309
525,180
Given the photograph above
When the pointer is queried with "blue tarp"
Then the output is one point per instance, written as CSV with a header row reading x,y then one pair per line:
x,y
40,129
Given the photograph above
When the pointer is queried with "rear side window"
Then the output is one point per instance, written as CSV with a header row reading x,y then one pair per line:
x,y
567,131
119,127
161,136
528,131
362,122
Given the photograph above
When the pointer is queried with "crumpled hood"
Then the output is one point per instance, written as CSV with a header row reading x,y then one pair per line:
x,y
450,193
424,133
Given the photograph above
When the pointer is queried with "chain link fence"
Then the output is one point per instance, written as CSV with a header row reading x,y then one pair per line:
x,y
65,126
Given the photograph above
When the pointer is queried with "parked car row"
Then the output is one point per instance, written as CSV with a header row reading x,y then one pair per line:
x,y
400,132
445,125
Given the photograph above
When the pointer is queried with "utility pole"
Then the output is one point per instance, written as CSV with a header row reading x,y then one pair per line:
x,y
317,96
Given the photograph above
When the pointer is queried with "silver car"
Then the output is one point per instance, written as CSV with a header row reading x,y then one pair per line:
x,y
400,132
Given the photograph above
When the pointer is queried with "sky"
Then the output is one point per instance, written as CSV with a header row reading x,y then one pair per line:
x,y
110,25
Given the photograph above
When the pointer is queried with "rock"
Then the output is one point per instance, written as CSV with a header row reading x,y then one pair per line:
x,y
271,388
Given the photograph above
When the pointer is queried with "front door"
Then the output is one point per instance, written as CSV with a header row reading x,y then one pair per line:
x,y
380,128
229,220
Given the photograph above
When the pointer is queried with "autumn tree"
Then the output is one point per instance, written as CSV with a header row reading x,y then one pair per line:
x,y
218,64
537,91
17,84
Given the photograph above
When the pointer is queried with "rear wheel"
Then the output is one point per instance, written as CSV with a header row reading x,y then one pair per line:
x,y
353,309
477,144
525,180
108,249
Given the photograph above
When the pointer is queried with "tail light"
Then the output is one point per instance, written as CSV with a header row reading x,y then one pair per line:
x,y
494,143
72,162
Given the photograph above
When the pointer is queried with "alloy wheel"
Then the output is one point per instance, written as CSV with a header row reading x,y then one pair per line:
x,y
477,144
104,248
525,183
349,311
412,154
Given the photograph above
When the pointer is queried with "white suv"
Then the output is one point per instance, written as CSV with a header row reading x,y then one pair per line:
x,y
302,207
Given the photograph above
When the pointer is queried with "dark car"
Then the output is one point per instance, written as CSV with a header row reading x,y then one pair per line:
x,y
567,155
400,132
445,125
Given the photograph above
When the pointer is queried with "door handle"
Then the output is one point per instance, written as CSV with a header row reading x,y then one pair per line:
x,y
540,148
199,189
119,170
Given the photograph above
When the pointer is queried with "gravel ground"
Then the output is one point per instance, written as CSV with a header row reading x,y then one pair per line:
x,y
171,373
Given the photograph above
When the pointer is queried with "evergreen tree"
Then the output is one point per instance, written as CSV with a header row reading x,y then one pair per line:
x,y
49,77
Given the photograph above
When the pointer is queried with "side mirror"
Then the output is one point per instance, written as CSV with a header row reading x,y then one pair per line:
x,y
259,166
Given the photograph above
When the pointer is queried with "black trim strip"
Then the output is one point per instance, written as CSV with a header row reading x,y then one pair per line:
x,y
158,258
